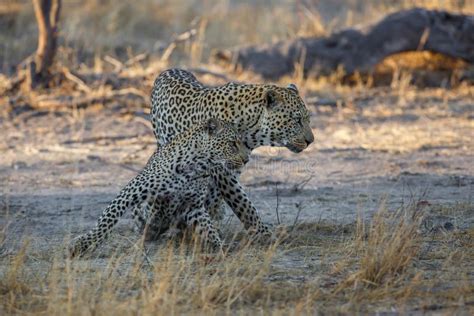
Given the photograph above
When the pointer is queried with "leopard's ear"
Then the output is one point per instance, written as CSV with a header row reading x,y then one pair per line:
x,y
271,99
213,126
293,87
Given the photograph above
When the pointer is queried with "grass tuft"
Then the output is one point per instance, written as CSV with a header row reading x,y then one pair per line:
x,y
387,247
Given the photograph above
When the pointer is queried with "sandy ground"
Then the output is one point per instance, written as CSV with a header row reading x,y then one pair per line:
x,y
58,170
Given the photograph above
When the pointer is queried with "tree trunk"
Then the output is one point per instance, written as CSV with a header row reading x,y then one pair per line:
x,y
47,15
360,50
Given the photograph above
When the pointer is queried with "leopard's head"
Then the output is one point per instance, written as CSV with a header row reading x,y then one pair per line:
x,y
223,144
285,120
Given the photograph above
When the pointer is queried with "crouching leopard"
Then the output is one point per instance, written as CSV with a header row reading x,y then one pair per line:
x,y
263,114
175,183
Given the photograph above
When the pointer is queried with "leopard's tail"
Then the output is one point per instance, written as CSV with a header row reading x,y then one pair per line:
x,y
133,195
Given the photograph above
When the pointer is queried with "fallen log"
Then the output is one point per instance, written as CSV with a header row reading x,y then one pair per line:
x,y
68,101
360,50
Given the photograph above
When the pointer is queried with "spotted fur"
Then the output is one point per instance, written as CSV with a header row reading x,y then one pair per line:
x,y
263,114
174,184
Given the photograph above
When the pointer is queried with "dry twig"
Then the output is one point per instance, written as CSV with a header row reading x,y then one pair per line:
x,y
74,78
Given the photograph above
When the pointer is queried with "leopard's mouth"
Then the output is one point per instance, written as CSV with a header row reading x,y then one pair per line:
x,y
296,147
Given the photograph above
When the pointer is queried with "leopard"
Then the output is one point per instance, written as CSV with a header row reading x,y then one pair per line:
x,y
264,115
175,181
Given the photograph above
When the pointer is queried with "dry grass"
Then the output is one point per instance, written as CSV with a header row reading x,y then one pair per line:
x,y
386,249
361,267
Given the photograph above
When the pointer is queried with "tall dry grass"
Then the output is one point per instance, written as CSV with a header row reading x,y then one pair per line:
x,y
177,280
363,267
385,248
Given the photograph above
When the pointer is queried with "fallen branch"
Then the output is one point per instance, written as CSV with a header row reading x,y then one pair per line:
x,y
62,101
74,78
360,50
118,65
13,83
136,59
203,71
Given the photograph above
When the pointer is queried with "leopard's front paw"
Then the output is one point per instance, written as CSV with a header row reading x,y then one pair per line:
x,y
78,247
263,234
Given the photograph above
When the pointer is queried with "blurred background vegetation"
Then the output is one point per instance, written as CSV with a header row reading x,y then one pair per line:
x,y
123,29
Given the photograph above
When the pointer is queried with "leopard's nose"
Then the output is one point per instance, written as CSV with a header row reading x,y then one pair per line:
x,y
309,137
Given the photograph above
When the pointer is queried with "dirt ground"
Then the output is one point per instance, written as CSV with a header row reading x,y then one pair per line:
x,y
381,146
61,168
